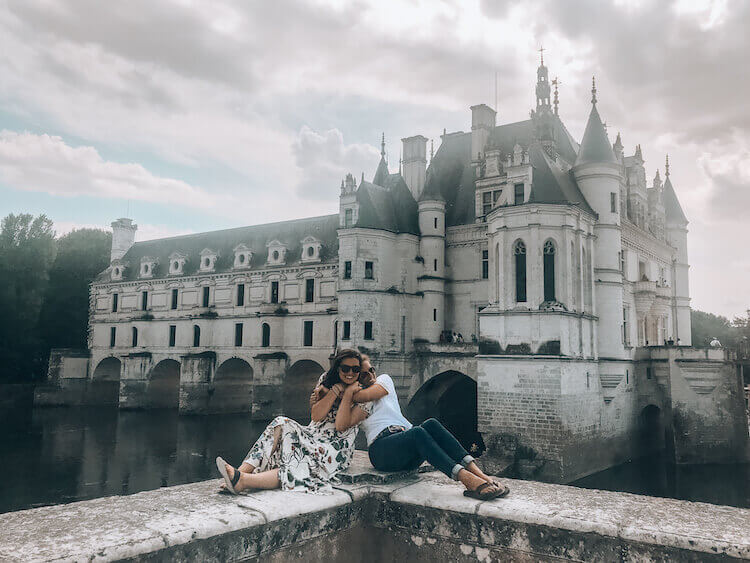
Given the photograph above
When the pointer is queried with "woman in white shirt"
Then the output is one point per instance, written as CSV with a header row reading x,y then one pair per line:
x,y
394,444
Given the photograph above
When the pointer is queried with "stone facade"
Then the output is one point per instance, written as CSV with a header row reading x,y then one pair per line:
x,y
520,270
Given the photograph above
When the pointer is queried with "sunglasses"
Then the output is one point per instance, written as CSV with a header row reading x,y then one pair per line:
x,y
346,369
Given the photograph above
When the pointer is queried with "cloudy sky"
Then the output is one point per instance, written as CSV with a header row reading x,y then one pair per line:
x,y
191,116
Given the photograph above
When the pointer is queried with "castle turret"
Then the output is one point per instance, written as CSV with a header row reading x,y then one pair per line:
x,y
598,175
676,227
123,237
432,281
414,163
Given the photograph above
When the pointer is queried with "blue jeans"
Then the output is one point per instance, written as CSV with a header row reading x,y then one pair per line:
x,y
429,441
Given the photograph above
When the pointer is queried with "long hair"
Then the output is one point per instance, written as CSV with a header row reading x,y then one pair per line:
x,y
332,376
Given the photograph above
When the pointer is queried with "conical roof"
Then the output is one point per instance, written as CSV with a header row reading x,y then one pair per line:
x,y
672,207
595,146
381,174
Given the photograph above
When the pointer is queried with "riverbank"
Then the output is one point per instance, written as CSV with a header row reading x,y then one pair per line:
x,y
409,517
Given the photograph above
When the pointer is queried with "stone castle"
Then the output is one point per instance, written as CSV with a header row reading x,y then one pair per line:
x,y
521,285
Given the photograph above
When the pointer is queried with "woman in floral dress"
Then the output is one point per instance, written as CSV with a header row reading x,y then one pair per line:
x,y
291,456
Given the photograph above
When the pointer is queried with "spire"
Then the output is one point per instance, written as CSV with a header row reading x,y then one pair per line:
x,y
593,90
556,101
542,84
595,146
618,147
382,146
381,174
666,168
638,154
432,150
657,180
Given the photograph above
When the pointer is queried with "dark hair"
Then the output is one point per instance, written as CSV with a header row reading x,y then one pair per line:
x,y
332,376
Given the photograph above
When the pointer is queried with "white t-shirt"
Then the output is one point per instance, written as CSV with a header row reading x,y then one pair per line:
x,y
385,411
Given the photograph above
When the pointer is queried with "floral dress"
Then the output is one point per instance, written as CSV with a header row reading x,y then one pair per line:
x,y
307,457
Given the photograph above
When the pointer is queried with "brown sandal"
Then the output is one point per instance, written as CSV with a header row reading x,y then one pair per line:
x,y
482,492
503,488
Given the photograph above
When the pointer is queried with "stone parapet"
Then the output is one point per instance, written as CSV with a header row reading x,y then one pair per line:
x,y
421,519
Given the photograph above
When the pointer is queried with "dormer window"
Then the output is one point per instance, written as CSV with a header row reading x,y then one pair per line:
x,y
118,269
310,250
148,264
208,260
276,253
242,256
177,263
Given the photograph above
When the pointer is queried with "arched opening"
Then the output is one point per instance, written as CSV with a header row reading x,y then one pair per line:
x,y
163,390
651,430
451,397
265,336
299,382
519,255
233,387
549,271
104,388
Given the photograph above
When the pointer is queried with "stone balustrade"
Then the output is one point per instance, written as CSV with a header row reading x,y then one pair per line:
x,y
378,517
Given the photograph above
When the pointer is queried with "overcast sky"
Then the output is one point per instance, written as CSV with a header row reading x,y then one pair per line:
x,y
190,116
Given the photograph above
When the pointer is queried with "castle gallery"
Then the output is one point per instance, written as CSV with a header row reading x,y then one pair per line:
x,y
539,283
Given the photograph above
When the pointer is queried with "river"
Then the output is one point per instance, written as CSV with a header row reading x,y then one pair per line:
x,y
58,455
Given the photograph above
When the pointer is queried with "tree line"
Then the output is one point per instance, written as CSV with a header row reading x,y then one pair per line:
x,y
44,291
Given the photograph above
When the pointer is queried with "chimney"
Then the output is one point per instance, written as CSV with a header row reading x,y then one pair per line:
x,y
123,237
482,123
414,163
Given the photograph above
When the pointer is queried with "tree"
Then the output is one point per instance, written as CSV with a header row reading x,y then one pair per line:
x,y
27,250
81,255
707,326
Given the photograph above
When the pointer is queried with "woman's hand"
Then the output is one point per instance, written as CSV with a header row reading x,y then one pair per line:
x,y
338,389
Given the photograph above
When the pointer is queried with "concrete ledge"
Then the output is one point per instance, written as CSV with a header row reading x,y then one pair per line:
x,y
421,518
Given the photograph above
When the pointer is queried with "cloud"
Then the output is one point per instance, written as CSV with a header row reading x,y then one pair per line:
x,y
324,160
44,163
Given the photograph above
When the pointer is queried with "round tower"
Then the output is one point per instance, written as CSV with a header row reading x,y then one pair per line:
x,y
598,175
432,281
123,237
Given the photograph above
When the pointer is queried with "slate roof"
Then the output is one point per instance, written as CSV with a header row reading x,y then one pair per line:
x,y
672,207
255,237
389,206
595,146
451,176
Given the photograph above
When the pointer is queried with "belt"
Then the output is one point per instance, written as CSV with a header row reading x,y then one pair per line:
x,y
393,429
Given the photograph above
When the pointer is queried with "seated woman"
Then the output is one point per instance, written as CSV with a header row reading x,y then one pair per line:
x,y
395,445
305,458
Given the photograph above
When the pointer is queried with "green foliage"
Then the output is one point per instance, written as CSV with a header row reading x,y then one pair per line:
x,y
706,326
44,291
81,255
27,250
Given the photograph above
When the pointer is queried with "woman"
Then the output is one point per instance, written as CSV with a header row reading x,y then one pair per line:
x,y
294,457
395,445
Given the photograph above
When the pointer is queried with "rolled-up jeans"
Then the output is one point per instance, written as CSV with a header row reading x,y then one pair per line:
x,y
429,441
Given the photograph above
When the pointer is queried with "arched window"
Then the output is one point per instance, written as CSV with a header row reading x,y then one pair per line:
x,y
549,271
135,337
196,336
266,336
519,254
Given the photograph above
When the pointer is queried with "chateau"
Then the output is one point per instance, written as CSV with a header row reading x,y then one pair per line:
x,y
562,269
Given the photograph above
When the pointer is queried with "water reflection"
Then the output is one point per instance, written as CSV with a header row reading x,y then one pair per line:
x,y
59,455
713,483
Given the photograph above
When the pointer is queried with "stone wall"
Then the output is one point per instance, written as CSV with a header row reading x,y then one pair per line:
x,y
374,519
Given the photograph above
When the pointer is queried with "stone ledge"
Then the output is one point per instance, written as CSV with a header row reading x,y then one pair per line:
x,y
427,513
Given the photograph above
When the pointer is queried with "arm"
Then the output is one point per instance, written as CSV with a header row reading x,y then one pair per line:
x,y
349,414
320,409
372,393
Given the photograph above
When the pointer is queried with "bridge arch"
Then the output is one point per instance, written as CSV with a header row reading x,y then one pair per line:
x,y
299,381
163,388
104,388
232,387
450,397
651,429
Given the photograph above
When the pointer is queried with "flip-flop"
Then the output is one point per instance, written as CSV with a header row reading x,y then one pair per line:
x,y
221,465
481,492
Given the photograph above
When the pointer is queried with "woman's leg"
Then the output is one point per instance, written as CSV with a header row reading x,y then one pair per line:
x,y
452,447
264,480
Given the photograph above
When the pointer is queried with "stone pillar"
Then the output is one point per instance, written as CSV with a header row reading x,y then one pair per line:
x,y
196,376
268,378
134,381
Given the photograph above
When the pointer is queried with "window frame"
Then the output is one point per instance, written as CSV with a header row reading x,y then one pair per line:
x,y
346,330
369,271
310,290
238,334
240,299
307,333
172,336
368,330
175,299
